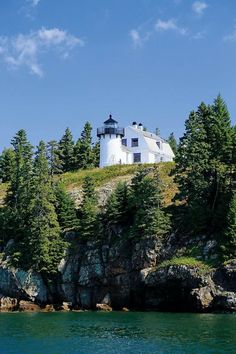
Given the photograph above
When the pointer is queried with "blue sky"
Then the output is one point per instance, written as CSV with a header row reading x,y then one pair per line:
x,y
63,62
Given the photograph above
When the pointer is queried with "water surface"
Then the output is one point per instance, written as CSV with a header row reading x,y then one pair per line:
x,y
116,332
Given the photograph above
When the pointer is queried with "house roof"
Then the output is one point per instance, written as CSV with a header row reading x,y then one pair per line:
x,y
110,120
147,134
151,140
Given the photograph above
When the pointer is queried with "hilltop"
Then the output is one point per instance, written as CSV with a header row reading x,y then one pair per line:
x,y
106,179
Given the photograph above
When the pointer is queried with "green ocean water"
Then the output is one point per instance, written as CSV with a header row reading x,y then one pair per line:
x,y
116,332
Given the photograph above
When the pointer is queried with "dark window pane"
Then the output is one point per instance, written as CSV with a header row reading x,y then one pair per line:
x,y
124,142
134,142
137,157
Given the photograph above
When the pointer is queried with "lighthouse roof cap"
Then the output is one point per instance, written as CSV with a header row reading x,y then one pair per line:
x,y
110,120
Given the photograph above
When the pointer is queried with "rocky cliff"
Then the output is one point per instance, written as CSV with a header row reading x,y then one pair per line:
x,y
120,274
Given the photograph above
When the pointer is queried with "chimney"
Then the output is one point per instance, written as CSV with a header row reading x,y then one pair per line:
x,y
140,126
134,125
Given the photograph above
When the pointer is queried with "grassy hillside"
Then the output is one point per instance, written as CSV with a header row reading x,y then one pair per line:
x,y
74,180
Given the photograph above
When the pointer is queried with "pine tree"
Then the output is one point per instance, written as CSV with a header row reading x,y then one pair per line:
x,y
19,192
173,143
53,156
228,247
83,150
88,226
7,163
149,216
43,248
66,151
65,208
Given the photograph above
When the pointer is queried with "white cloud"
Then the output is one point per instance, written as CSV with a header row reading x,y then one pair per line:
x,y
170,25
25,50
137,38
199,35
231,37
199,7
33,3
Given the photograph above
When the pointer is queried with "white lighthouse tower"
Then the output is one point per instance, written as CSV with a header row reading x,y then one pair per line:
x,y
111,152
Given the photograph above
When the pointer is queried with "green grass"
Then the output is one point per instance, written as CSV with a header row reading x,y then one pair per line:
x,y
100,175
186,261
104,175
3,190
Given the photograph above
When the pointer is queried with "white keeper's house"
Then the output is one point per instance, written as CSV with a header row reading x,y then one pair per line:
x,y
131,145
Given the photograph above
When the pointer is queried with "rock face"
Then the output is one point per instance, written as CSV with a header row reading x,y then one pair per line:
x,y
120,274
17,283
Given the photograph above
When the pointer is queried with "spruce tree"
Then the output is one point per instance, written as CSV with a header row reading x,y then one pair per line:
x,y
117,207
88,226
83,150
192,160
204,165
173,143
228,243
54,160
7,163
66,151
43,248
65,208
149,216
96,154
19,191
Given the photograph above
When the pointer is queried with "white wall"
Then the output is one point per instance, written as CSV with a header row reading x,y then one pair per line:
x,y
146,156
111,152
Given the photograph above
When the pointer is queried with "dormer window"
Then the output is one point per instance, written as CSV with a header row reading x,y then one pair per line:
x,y
134,142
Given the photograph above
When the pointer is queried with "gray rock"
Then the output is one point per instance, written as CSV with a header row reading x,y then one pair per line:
x,y
21,284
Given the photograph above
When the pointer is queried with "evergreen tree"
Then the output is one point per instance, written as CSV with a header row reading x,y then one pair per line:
x,y
117,207
219,131
19,192
157,132
96,154
53,156
83,150
192,160
66,151
228,246
7,163
173,143
65,208
204,165
149,216
88,225
43,248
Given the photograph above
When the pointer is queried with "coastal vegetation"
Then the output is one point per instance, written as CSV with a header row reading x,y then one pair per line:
x,y
193,196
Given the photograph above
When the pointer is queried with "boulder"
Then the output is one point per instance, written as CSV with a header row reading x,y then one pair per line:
x,y
103,307
7,304
225,301
27,306
64,307
48,308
